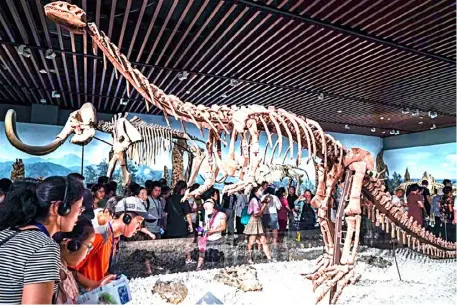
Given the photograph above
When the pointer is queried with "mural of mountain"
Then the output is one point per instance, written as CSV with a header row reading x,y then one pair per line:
x,y
37,169
69,160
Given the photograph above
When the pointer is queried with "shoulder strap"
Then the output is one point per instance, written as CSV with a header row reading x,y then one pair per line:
x,y
177,212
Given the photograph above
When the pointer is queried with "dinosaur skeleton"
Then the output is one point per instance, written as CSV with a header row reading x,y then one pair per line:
x,y
337,163
132,139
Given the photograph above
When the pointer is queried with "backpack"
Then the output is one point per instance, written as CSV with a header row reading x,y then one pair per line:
x,y
245,216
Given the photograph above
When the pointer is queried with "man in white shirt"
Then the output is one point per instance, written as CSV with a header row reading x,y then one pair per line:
x,y
270,214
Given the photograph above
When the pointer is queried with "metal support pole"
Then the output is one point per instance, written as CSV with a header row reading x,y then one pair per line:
x,y
82,160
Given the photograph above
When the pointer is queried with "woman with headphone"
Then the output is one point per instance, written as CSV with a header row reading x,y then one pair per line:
x,y
29,257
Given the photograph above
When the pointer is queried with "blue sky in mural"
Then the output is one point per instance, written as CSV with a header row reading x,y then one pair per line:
x,y
438,160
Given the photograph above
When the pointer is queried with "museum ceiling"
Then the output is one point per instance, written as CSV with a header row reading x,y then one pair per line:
x,y
355,66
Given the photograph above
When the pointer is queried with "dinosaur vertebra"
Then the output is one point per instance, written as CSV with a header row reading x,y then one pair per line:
x,y
338,164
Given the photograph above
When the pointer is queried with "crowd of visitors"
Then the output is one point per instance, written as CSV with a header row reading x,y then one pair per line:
x,y
59,237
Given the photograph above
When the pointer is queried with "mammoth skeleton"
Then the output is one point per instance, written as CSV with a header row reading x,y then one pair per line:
x,y
132,139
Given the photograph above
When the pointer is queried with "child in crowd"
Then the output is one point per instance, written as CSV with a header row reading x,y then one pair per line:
x,y
127,216
74,247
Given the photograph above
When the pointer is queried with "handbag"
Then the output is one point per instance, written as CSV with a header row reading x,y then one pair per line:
x,y
203,239
245,216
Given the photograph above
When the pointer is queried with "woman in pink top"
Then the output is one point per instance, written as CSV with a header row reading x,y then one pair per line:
x,y
254,229
415,204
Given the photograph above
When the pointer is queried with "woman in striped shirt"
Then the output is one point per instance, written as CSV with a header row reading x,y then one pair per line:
x,y
29,257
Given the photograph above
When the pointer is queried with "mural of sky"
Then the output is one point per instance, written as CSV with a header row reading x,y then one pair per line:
x,y
68,157
438,160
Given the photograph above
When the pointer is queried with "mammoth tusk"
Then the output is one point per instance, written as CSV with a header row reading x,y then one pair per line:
x,y
13,138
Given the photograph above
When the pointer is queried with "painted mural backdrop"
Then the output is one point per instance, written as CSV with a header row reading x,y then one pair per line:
x,y
68,157
438,160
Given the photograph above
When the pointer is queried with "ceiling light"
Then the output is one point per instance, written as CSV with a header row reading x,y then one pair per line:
x,y
392,132
405,110
320,97
234,82
43,71
49,54
421,117
24,51
432,114
43,101
187,92
224,95
383,132
388,119
420,123
382,118
55,94
415,112
397,132
208,94
433,126
123,102
373,129
340,111
183,75
52,71
347,126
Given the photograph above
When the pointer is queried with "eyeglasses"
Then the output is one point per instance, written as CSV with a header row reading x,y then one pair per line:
x,y
82,209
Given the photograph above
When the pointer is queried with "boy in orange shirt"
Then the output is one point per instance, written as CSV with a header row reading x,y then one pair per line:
x,y
128,214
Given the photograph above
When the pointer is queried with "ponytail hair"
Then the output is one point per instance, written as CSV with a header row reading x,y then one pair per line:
x,y
30,200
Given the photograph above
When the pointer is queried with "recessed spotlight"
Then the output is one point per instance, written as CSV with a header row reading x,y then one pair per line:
x,y
432,114
234,82
382,118
24,51
320,97
49,54
43,101
340,111
183,75
420,123
347,126
373,129
43,71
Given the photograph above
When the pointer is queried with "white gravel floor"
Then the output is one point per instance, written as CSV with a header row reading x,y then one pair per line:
x,y
424,281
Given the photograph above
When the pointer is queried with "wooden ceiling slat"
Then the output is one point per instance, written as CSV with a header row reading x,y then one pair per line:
x,y
94,61
11,73
85,69
75,68
110,30
40,10
398,8
409,37
64,62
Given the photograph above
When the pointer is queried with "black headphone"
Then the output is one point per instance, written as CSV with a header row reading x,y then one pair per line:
x,y
64,207
127,218
73,245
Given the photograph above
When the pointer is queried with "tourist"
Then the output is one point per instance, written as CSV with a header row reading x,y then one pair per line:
x,y
270,215
214,224
228,205
29,257
447,213
127,216
110,189
156,205
102,180
165,192
98,193
426,194
305,214
265,185
241,202
74,247
254,229
291,198
163,182
284,211
193,206
399,199
447,182
415,204
435,214
148,184
179,222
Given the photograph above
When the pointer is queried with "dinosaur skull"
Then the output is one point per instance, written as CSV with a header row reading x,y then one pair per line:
x,y
66,15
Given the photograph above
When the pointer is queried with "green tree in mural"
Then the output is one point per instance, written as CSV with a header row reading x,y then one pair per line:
x,y
102,168
394,182
90,174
